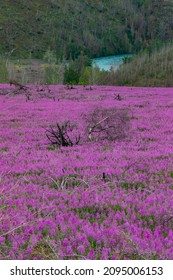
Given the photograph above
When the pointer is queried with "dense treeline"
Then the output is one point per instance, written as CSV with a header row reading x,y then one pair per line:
x,y
67,27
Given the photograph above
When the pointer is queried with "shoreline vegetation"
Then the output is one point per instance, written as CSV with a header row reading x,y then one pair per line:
x,y
150,68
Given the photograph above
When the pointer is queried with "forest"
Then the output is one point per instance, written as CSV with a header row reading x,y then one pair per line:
x,y
97,28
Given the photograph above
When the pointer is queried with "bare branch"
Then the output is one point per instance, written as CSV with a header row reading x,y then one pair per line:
x,y
60,136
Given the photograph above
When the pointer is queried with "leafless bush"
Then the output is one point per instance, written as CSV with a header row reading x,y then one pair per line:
x,y
108,124
69,87
117,97
63,135
20,88
44,91
18,85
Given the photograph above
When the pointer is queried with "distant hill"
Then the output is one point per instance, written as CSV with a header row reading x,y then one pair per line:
x,y
97,28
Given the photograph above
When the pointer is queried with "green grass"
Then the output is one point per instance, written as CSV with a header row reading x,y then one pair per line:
x,y
171,174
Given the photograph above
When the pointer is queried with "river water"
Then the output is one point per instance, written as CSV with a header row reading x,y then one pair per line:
x,y
105,63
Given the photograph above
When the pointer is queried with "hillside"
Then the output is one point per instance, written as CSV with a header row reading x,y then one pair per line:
x,y
98,28
146,69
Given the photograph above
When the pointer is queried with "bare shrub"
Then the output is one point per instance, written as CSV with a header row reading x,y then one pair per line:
x,y
20,89
63,135
108,124
118,97
28,95
44,91
18,85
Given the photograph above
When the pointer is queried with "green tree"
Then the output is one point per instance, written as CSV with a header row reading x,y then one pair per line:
x,y
86,76
71,77
50,57
3,71
79,64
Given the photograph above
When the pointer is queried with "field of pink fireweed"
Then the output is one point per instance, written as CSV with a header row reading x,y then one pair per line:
x,y
95,200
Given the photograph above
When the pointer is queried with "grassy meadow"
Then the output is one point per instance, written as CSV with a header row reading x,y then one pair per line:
x,y
77,182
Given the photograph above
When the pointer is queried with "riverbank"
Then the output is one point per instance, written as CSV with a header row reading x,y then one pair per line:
x,y
108,62
36,71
